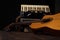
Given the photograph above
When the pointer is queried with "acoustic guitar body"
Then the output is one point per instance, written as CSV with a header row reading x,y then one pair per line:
x,y
49,25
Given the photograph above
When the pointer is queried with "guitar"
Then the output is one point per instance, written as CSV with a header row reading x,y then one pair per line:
x,y
50,21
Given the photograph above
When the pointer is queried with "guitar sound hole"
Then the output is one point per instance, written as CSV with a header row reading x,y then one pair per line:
x,y
47,20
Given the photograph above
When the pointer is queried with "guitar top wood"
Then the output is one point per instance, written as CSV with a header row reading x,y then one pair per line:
x,y
50,21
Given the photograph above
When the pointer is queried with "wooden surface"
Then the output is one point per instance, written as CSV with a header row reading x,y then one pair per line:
x,y
25,36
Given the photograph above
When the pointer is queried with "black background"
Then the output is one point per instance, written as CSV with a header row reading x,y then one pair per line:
x,y
11,8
